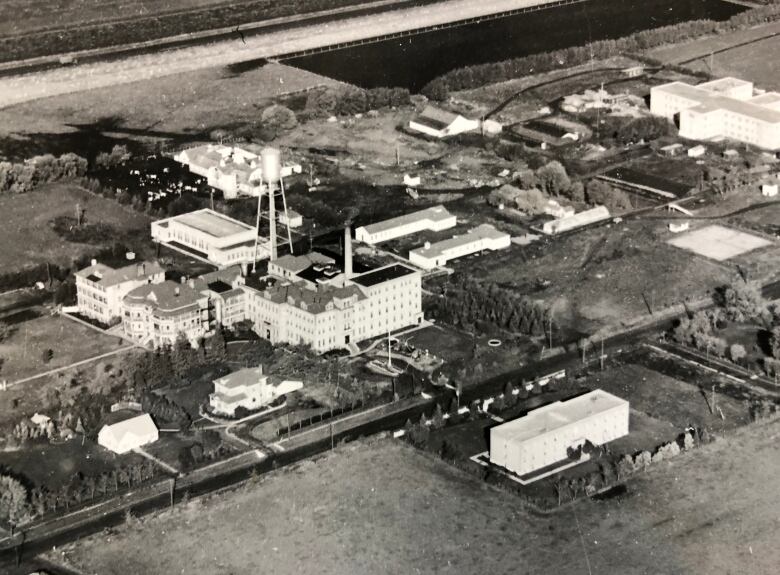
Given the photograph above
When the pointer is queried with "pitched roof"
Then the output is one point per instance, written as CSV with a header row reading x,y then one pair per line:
x,y
314,300
432,214
165,296
436,117
241,378
108,276
483,231
138,426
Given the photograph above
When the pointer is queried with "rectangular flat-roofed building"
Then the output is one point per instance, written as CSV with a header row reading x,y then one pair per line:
x,y
546,435
434,219
724,108
210,236
481,238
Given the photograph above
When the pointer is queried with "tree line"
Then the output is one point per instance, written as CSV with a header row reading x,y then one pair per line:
x,y
473,304
471,77
22,177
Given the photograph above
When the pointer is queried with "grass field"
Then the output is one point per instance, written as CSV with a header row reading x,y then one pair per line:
x,y
35,211
755,60
179,106
384,508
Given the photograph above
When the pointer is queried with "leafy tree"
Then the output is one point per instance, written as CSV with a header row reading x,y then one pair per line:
x,y
553,178
775,342
47,355
216,350
601,193
5,331
737,352
742,301
14,500
182,355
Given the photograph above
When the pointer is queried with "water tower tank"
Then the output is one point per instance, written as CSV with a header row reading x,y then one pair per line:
x,y
272,164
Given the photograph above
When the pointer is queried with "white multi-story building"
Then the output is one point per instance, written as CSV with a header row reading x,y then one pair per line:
x,y
155,314
210,236
100,288
724,108
249,388
483,237
330,316
434,219
545,436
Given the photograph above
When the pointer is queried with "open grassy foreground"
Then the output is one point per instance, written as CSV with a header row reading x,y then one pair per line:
x,y
36,210
384,508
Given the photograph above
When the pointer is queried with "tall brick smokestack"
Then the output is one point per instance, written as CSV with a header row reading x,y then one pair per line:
x,y
347,252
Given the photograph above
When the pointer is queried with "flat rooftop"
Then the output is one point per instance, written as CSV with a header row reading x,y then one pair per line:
x,y
212,223
559,414
432,214
391,272
483,231
710,100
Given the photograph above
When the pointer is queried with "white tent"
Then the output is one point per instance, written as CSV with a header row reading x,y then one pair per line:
x,y
128,434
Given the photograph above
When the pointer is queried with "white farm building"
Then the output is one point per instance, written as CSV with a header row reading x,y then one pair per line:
x,y
434,219
128,434
438,123
481,238
545,436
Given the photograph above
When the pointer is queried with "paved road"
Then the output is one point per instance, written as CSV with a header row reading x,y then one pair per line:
x,y
318,440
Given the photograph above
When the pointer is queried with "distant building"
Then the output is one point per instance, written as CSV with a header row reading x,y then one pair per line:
x,y
731,154
556,210
491,127
210,236
433,219
677,227
482,238
249,388
585,218
128,434
633,71
292,219
155,314
232,170
672,149
769,190
697,151
100,288
439,123
412,181
724,108
547,436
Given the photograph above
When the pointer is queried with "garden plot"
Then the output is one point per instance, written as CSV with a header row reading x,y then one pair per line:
x,y
719,242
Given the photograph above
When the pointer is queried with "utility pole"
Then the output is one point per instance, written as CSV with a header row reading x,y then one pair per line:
x,y
172,489
397,155
551,328
713,399
212,199
331,434
602,354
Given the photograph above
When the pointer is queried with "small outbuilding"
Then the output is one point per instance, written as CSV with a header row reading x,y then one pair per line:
x,y
697,151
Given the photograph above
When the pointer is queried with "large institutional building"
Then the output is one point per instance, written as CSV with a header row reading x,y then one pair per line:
x,y
328,310
307,299
724,108
210,236
545,436
100,288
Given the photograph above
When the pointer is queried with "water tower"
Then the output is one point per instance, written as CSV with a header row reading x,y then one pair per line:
x,y
272,183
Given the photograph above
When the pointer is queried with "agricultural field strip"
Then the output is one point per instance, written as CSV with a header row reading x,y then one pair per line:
x,y
17,89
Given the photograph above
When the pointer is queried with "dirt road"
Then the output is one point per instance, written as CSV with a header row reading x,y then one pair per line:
x,y
17,89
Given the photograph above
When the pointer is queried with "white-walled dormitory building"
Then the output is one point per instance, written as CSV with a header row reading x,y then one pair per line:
x,y
724,108
434,219
483,237
101,288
